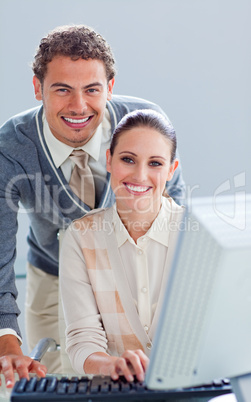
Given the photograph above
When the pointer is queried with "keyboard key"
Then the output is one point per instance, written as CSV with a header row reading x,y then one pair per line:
x,y
72,388
41,385
62,388
115,386
51,385
31,385
82,387
21,385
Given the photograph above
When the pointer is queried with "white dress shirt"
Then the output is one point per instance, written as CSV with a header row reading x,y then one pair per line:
x,y
144,262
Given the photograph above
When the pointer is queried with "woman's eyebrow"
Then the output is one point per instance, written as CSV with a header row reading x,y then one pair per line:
x,y
128,152
151,157
157,156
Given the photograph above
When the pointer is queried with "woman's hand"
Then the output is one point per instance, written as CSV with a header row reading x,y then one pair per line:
x,y
131,362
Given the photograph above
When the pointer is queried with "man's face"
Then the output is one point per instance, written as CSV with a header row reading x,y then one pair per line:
x,y
74,95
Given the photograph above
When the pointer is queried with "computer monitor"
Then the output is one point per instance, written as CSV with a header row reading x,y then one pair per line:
x,y
204,330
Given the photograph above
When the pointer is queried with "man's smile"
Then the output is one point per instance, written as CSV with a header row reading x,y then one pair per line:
x,y
76,122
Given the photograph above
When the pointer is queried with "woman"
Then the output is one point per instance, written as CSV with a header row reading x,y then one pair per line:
x,y
115,261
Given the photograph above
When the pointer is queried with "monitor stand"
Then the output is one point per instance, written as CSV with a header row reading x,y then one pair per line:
x,y
241,387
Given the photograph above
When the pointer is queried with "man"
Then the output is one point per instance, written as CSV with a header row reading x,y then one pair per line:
x,y
74,77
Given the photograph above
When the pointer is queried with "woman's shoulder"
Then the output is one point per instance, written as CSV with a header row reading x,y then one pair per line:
x,y
172,206
89,220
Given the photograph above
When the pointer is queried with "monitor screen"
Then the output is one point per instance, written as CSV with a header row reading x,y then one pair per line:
x,y
204,330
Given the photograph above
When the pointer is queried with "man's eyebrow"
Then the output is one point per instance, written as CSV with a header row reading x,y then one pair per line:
x,y
60,84
93,84
63,85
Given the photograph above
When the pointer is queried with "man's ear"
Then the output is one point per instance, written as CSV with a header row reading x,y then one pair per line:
x,y
110,88
172,169
108,160
37,88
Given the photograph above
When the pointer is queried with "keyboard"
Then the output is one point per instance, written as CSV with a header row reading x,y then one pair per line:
x,y
101,388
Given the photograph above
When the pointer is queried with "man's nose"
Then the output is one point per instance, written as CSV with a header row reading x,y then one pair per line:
x,y
78,103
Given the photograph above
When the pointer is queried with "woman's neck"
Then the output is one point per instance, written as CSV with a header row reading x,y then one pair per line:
x,y
136,223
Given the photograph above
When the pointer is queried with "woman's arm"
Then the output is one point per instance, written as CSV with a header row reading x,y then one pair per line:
x,y
85,333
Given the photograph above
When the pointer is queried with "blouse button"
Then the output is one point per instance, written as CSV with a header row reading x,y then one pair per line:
x,y
146,328
149,346
144,290
140,252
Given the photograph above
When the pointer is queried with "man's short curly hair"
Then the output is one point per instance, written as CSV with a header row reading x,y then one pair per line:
x,y
74,41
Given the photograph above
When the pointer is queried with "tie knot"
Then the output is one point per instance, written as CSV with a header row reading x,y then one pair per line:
x,y
79,157
77,152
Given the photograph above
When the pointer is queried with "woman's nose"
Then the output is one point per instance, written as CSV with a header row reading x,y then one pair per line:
x,y
141,173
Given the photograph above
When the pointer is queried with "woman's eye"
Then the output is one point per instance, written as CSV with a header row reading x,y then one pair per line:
x,y
155,163
127,160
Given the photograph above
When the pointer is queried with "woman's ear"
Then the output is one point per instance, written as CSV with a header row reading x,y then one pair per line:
x,y
172,169
108,160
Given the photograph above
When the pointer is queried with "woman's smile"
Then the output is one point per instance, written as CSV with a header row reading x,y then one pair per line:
x,y
137,189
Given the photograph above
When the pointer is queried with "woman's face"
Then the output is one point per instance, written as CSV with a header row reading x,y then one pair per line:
x,y
140,167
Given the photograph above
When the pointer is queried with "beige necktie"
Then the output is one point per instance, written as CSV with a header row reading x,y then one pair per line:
x,y
81,181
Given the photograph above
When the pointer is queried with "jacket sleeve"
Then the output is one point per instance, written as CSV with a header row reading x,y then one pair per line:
x,y
9,199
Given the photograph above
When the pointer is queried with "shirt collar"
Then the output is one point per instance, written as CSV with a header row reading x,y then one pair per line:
x,y
121,233
60,151
159,231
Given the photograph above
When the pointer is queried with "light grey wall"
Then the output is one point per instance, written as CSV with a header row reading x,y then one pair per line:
x,y
192,57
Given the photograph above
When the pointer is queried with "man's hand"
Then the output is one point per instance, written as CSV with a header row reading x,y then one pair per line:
x,y
12,360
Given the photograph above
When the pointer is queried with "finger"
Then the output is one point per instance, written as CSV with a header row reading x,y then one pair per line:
x,y
38,368
134,359
114,375
22,364
8,371
143,358
122,367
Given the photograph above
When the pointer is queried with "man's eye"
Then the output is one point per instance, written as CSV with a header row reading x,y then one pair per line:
x,y
92,90
127,160
62,90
